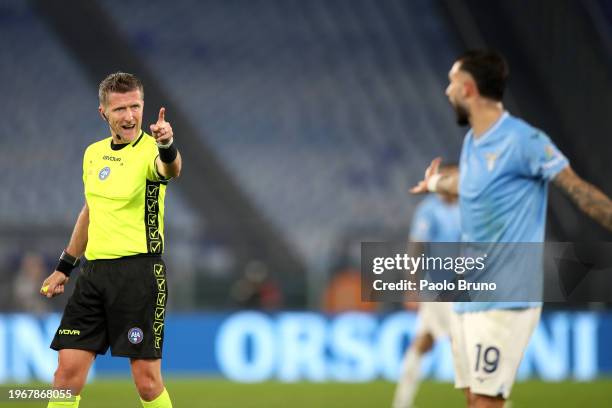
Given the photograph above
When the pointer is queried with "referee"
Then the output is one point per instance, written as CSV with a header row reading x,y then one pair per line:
x,y
120,296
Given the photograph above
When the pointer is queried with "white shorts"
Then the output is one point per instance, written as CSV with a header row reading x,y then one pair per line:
x,y
434,318
488,347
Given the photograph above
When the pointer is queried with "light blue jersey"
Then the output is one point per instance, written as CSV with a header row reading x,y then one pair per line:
x,y
503,179
435,221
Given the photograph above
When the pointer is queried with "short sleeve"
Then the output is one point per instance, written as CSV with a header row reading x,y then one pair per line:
x,y
422,225
152,173
85,167
542,158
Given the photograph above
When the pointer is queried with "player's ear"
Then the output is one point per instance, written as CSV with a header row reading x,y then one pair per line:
x,y
469,88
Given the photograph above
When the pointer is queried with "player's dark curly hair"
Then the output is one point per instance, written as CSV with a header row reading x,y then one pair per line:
x,y
120,82
489,69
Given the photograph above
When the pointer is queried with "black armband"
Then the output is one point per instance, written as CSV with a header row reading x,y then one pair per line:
x,y
67,263
167,154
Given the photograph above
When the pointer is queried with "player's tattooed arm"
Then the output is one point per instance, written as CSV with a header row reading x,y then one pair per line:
x,y
434,181
586,196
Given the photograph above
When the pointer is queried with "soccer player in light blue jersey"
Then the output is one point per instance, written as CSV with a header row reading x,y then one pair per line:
x,y
504,171
436,219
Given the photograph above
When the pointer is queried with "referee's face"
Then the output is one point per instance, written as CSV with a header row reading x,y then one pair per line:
x,y
123,112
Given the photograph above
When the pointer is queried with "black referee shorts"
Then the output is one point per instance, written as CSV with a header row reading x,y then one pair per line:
x,y
119,303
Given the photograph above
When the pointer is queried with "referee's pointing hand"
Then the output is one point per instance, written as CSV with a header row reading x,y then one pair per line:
x,y
161,130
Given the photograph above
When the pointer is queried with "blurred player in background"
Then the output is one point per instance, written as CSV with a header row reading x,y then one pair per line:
x,y
502,182
120,297
436,219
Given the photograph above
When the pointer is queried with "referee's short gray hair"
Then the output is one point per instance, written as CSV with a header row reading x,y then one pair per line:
x,y
120,82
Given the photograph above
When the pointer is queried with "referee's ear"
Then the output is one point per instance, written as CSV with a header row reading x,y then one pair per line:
x,y
102,115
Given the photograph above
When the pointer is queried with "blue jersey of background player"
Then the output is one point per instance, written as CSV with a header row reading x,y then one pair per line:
x,y
436,220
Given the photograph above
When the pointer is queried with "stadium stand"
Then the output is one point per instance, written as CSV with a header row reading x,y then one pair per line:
x,y
49,118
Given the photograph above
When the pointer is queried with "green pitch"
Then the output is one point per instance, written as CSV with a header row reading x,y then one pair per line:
x,y
191,393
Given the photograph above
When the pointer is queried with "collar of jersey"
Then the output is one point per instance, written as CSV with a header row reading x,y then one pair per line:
x,y
123,145
138,139
492,129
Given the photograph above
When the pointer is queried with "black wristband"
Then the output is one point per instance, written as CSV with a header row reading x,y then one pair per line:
x,y
168,154
65,267
67,263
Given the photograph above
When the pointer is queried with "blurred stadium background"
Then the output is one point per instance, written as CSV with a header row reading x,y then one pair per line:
x,y
302,125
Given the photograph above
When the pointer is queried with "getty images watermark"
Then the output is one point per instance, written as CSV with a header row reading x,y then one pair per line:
x,y
431,268
486,272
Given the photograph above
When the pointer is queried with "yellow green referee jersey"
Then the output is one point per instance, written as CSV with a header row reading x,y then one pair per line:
x,y
125,195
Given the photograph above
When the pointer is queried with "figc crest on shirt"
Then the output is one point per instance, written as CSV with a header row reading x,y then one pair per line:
x,y
104,173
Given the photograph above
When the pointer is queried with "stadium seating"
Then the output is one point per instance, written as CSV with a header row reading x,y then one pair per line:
x,y
50,116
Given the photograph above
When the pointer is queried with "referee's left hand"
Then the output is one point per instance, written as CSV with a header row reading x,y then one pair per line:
x,y
161,130
54,284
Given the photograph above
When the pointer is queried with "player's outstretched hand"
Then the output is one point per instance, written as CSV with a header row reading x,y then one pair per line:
x,y
161,130
421,187
54,284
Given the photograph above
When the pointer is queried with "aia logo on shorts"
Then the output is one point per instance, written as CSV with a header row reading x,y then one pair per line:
x,y
104,173
135,335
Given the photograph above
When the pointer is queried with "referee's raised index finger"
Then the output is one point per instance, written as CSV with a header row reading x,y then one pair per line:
x,y
162,114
